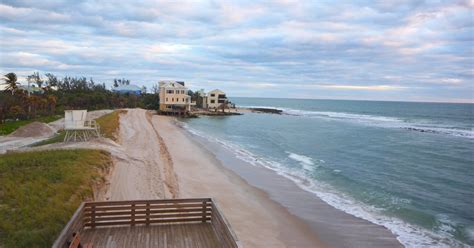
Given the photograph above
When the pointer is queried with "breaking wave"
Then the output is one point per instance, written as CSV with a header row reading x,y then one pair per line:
x,y
409,235
413,125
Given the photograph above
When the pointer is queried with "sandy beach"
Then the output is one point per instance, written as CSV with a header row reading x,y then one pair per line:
x,y
163,163
155,157
257,220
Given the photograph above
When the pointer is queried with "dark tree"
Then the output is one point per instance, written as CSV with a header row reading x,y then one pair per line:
x,y
11,82
35,78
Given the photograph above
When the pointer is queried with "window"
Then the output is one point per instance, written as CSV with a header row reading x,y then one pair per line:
x,y
182,92
213,101
172,99
213,95
166,99
183,99
170,91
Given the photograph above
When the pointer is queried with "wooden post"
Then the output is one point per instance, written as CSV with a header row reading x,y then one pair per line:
x,y
148,214
204,211
92,216
133,214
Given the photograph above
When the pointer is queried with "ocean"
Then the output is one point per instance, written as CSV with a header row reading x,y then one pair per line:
x,y
404,165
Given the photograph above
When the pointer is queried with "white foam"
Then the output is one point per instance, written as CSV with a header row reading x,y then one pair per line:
x,y
305,162
409,235
470,232
381,121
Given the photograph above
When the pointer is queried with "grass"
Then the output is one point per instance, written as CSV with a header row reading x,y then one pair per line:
x,y
39,192
109,124
55,139
10,126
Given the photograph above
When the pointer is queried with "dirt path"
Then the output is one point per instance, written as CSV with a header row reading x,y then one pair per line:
x,y
143,167
145,172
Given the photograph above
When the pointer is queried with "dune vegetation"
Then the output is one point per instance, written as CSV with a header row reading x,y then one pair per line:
x,y
109,124
39,192
59,137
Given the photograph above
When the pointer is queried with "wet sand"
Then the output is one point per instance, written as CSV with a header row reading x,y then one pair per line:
x,y
155,158
332,227
257,220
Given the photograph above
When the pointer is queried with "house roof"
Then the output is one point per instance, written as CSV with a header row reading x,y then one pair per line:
x,y
130,87
217,91
172,84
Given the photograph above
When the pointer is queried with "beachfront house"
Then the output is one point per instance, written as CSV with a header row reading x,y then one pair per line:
x,y
216,98
127,89
174,98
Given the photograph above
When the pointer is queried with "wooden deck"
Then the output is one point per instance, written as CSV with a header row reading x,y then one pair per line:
x,y
150,223
178,235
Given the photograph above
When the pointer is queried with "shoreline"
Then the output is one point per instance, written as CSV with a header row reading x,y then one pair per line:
x,y
333,227
156,157
249,209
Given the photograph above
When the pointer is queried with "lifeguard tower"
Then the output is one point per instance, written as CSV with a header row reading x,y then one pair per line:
x,y
77,126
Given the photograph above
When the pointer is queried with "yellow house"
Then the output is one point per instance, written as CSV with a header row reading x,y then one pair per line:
x,y
215,98
174,97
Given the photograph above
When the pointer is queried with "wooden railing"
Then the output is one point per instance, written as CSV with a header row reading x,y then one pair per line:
x,y
147,212
224,233
75,225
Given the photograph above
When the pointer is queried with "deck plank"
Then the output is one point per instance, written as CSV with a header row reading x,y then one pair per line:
x,y
177,235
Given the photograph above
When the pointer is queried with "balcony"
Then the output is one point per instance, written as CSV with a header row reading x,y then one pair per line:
x,y
148,223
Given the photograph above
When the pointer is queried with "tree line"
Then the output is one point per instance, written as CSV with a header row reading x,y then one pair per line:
x,y
53,95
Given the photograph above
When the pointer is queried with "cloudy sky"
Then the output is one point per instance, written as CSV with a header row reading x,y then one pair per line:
x,y
383,50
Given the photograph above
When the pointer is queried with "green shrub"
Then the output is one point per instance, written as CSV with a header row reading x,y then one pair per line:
x,y
39,192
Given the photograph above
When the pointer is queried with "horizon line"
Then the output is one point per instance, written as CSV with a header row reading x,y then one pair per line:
x,y
365,100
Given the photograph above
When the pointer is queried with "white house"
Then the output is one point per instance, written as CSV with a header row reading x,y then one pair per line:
x,y
215,98
174,97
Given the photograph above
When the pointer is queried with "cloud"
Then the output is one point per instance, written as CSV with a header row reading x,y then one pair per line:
x,y
31,15
361,49
364,87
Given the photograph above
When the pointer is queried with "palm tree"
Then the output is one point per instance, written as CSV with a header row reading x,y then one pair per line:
x,y
11,82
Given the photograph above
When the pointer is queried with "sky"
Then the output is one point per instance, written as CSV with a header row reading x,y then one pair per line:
x,y
366,50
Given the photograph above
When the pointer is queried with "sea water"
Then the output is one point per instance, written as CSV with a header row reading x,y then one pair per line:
x,y
407,166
